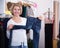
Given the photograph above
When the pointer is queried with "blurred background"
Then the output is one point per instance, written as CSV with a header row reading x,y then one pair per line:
x,y
49,9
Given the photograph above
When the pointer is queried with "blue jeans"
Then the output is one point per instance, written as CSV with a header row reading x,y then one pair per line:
x,y
18,47
36,30
35,24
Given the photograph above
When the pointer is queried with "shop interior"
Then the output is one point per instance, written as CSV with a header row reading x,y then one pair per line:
x,y
50,25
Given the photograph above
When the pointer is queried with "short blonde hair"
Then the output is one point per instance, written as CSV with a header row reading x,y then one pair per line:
x,y
16,4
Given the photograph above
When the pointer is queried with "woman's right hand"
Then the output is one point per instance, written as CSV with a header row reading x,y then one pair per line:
x,y
10,26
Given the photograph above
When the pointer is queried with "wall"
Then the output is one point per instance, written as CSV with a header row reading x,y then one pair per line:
x,y
56,22
2,7
59,10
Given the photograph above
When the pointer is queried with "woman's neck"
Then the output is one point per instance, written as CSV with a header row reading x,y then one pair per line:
x,y
16,16
17,19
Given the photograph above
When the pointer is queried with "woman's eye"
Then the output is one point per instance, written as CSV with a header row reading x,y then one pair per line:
x,y
14,9
18,9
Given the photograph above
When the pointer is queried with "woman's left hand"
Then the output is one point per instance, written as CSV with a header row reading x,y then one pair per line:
x,y
41,17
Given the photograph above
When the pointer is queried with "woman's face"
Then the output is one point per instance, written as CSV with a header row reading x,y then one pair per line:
x,y
16,11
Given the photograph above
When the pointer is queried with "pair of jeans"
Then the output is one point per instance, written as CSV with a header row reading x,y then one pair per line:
x,y
35,24
36,30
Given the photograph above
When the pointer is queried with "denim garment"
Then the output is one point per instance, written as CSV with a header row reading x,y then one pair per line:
x,y
35,24
36,30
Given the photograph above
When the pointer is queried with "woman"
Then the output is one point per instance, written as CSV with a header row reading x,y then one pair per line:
x,y
19,36
16,11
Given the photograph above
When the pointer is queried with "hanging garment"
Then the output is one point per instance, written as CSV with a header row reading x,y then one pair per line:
x,y
23,11
2,37
59,31
29,11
